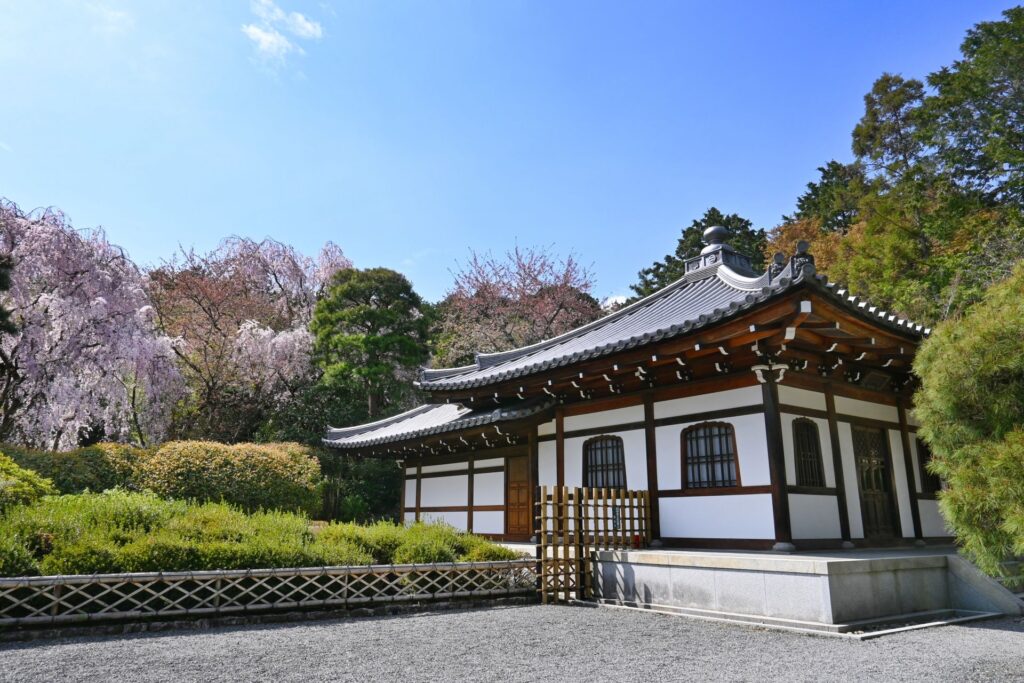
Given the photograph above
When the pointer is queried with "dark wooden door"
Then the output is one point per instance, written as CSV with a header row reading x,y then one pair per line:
x,y
871,451
518,501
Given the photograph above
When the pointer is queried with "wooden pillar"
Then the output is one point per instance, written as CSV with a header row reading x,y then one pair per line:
x,y
559,446
908,464
401,506
650,441
837,465
531,441
419,486
777,466
469,496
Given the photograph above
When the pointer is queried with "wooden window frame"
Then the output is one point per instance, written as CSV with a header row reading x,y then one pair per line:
x,y
684,473
586,463
817,456
931,484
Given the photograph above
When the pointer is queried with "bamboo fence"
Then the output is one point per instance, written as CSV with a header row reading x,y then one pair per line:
x,y
75,599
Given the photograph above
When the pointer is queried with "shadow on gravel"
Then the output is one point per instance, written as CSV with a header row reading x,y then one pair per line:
x,y
201,627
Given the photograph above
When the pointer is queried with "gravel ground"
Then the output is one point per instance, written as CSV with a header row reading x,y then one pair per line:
x,y
521,644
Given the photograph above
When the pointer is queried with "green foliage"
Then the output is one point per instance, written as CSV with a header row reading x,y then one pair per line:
x,y
92,468
834,200
971,406
283,476
743,237
359,489
19,485
370,329
120,531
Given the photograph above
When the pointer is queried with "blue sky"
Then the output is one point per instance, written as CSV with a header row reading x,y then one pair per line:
x,y
410,132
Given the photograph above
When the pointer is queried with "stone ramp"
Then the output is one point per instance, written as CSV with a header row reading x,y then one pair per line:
x,y
837,592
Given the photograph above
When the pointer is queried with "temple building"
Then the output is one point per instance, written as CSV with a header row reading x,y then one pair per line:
x,y
764,411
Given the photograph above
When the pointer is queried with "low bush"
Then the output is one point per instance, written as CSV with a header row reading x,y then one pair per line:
x,y
92,468
282,476
19,485
121,531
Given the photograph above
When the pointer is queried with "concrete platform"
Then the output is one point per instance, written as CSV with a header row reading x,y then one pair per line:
x,y
834,591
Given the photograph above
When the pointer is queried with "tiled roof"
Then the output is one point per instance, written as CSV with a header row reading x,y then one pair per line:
x,y
698,299
425,420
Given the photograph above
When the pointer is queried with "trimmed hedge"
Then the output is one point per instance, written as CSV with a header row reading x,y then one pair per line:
x,y
120,531
19,485
281,476
93,468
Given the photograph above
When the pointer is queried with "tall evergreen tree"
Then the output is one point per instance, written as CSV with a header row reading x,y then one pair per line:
x,y
743,237
833,201
370,331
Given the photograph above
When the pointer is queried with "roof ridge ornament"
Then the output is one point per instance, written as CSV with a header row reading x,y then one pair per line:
x,y
717,252
802,262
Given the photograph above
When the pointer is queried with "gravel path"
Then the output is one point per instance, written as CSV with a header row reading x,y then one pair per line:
x,y
521,644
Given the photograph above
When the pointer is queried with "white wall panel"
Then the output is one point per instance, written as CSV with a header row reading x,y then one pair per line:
x,y
720,400
546,428
804,398
874,411
915,463
850,479
932,521
751,446
489,489
605,418
491,522
410,517
634,448
547,472
447,467
899,470
718,517
455,519
489,462
824,442
444,491
814,516
410,493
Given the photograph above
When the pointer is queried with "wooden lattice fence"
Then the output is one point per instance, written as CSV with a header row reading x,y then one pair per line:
x,y
572,522
73,599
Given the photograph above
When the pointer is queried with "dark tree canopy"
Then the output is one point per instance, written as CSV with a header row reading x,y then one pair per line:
x,y
6,324
370,329
834,200
743,237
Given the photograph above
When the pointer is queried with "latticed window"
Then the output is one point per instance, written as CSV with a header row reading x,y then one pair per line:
x,y
709,456
930,483
810,470
604,463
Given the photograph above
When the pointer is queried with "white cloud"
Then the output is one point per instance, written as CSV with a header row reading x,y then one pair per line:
x,y
614,302
269,42
268,32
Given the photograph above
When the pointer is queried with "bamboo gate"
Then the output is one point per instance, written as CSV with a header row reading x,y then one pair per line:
x,y
573,522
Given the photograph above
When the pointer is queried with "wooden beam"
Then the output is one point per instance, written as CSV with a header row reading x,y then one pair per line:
x,y
777,466
559,447
908,464
651,444
837,463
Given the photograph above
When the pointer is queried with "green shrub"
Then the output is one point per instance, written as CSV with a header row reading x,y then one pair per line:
x,y
19,485
280,476
121,531
971,407
93,468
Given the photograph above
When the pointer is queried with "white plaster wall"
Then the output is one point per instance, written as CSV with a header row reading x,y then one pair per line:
x,y
455,519
747,516
899,470
850,479
751,446
814,516
546,428
605,418
447,467
932,521
874,411
634,448
488,489
804,398
490,462
444,491
547,468
410,493
410,470
823,440
410,517
720,400
490,522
